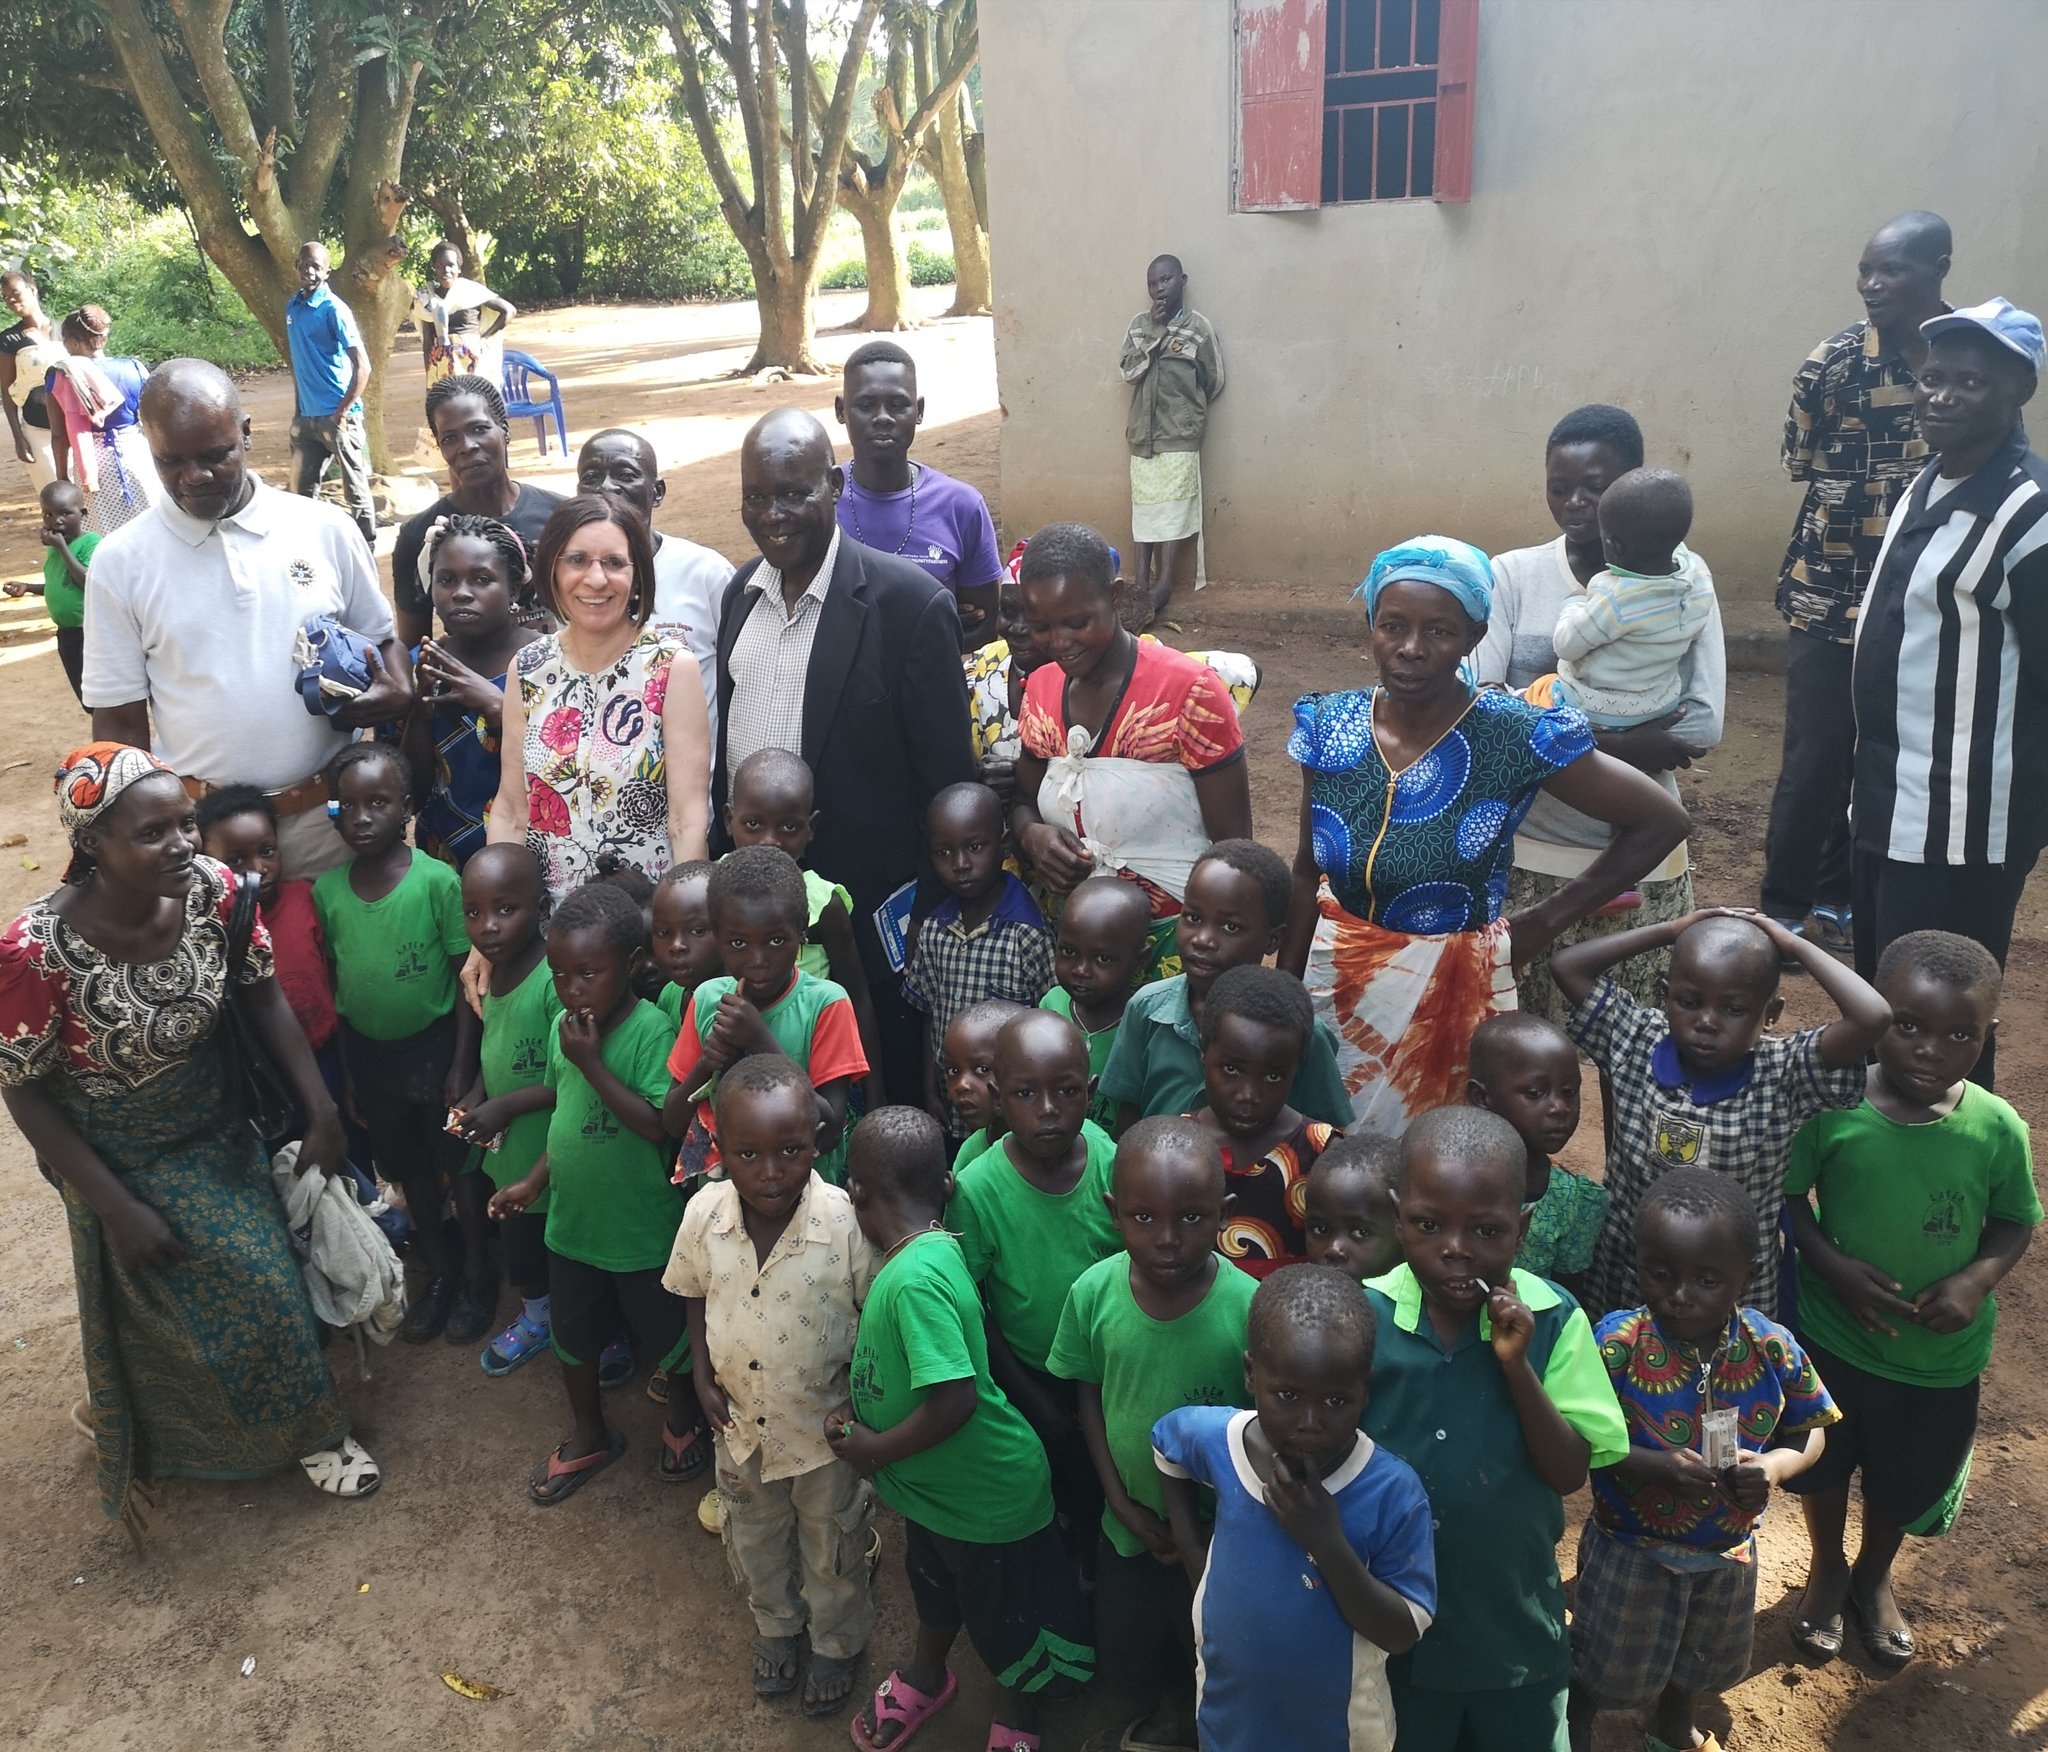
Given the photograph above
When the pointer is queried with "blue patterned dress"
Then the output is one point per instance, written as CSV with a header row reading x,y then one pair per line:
x,y
1411,952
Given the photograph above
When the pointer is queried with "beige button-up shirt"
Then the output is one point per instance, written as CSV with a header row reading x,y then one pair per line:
x,y
771,664
780,1334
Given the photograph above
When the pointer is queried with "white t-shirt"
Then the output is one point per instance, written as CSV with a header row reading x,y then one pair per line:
x,y
199,620
689,589
1530,585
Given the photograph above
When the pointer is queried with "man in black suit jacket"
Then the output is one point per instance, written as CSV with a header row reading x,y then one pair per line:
x,y
881,714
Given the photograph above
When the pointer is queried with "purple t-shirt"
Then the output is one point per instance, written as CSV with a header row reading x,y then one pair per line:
x,y
940,523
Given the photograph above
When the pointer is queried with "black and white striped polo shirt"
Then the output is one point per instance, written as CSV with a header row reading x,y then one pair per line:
x,y
1951,676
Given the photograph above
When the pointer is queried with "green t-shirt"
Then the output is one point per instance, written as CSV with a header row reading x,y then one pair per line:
x,y
670,1001
988,1482
1148,1367
1564,1225
1101,1109
612,1204
976,1145
394,971
1912,1200
63,595
818,895
1156,1061
519,1028
1028,1246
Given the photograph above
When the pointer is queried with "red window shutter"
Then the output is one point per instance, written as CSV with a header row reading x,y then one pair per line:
x,y
1279,104
1457,63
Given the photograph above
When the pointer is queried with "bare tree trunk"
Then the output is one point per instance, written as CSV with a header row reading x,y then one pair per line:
x,y
973,288
889,295
447,207
373,283
789,321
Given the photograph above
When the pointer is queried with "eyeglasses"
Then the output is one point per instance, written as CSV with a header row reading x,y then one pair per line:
x,y
612,565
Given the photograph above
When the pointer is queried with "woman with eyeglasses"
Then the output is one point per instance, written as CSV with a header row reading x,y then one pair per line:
x,y
607,713
467,417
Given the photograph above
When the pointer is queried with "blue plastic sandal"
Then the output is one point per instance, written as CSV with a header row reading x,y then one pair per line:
x,y
520,1342
615,1366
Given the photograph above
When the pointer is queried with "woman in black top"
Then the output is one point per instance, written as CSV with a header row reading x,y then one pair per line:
x,y
467,417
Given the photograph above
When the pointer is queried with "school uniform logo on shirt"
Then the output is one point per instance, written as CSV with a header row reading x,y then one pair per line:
x,y
1680,1141
599,1126
530,1060
411,962
1944,1216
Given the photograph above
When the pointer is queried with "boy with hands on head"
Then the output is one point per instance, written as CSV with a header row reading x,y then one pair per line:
x,y
1721,1404
1696,1086
1144,1332
1925,1200
950,1454
1487,1381
1320,1564
772,1268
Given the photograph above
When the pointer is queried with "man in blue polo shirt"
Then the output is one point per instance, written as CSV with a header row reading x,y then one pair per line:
x,y
330,368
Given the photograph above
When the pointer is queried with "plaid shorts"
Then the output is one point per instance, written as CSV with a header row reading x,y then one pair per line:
x,y
1638,1625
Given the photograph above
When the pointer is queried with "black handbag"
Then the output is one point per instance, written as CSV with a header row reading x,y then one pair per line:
x,y
268,1103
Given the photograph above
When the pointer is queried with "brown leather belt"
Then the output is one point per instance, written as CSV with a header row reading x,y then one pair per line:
x,y
290,800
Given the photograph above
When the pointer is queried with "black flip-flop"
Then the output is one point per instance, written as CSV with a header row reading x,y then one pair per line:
x,y
828,1666
1890,1649
775,1662
567,1477
687,1458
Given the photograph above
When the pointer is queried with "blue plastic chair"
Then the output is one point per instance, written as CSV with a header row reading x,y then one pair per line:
x,y
520,369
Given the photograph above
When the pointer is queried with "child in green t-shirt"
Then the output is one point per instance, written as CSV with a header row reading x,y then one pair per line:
x,y
1032,1214
764,1002
774,804
62,588
612,1210
951,1455
968,1064
682,946
392,918
1526,1069
1146,1332
1100,944
505,1112
1925,1200
1348,1217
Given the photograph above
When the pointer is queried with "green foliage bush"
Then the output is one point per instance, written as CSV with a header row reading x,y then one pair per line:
x,y
164,299
847,276
930,267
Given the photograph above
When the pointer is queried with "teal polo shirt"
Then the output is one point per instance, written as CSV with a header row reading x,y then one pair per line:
x,y
1445,1410
1156,1064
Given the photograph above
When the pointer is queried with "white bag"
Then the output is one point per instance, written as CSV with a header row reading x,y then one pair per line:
x,y
352,1276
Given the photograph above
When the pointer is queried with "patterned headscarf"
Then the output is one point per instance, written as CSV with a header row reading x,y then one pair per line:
x,y
92,778
1442,560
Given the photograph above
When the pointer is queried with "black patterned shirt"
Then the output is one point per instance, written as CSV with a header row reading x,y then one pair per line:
x,y
1851,436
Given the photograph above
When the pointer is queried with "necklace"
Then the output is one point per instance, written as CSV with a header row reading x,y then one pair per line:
x,y
909,528
934,1227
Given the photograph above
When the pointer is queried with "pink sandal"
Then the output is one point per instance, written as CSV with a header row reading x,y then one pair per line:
x,y
1002,1739
897,1701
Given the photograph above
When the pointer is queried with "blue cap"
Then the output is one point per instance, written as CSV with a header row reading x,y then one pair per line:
x,y
2012,328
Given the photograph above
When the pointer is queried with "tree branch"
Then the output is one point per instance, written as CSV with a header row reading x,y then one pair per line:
x,y
331,97
203,24
812,215
280,100
154,89
697,102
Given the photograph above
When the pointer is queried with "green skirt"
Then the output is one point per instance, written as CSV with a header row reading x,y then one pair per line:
x,y
209,1368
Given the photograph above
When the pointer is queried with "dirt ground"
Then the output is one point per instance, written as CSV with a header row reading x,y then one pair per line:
x,y
614,1624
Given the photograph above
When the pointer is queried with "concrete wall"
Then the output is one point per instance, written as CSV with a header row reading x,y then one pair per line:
x,y
1668,203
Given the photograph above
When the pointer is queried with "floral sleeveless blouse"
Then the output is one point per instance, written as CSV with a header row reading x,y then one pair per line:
x,y
596,774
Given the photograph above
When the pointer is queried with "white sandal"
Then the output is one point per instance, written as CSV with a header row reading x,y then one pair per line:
x,y
346,1471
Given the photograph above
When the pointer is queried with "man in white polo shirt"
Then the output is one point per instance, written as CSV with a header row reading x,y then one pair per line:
x,y
192,609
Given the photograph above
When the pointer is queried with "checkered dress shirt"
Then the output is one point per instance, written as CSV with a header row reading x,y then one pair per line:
x,y
1008,955
771,660
1743,1125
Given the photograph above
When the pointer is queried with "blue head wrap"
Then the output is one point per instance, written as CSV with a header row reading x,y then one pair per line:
x,y
1442,560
